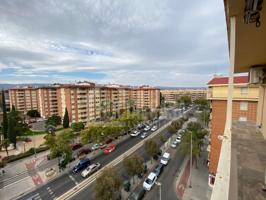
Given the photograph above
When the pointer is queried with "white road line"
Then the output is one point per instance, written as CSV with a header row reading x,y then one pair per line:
x,y
35,197
9,185
73,179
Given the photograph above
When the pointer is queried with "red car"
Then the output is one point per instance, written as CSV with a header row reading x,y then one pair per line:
x,y
76,146
109,149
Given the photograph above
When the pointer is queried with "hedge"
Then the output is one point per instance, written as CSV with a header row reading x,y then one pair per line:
x,y
28,153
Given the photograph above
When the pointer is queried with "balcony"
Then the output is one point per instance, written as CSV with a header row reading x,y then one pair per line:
x,y
246,174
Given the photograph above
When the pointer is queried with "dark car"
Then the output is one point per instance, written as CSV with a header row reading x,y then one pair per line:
x,y
158,169
84,151
137,194
108,141
76,146
82,164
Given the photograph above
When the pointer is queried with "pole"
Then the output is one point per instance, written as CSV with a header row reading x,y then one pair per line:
x,y
190,177
160,187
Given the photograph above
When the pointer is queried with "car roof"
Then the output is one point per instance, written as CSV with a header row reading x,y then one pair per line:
x,y
166,154
151,175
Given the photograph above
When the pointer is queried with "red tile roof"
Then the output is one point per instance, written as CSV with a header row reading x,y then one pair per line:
x,y
224,80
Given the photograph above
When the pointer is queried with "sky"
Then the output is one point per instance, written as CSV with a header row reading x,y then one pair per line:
x,y
132,42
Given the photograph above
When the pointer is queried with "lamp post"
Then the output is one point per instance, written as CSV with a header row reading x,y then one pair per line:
x,y
160,189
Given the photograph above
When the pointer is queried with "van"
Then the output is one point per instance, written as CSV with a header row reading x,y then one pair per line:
x,y
82,164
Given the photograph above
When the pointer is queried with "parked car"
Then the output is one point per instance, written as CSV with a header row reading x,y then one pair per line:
x,y
82,164
154,128
109,149
90,170
84,151
149,181
174,144
147,128
158,169
165,158
135,133
144,134
178,139
137,194
141,126
98,146
76,146
108,141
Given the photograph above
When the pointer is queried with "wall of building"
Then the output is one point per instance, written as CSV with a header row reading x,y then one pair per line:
x,y
217,124
261,116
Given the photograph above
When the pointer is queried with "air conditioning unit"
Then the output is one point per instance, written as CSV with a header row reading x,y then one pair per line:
x,y
256,75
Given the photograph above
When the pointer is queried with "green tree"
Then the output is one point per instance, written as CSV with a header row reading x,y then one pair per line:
x,y
186,100
66,119
198,133
16,126
54,120
93,132
5,119
162,100
33,113
77,126
175,126
134,165
202,103
5,143
108,185
151,148
205,117
60,145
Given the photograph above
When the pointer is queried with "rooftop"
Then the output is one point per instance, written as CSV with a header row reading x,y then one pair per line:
x,y
224,80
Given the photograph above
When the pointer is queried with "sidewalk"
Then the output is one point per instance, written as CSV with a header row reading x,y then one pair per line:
x,y
200,189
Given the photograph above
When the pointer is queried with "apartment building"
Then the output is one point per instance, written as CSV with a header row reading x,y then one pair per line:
x,y
241,167
24,99
173,95
87,101
245,103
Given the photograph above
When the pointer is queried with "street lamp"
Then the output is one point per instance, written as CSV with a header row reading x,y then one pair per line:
x,y
160,188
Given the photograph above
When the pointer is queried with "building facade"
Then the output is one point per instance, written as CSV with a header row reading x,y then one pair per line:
x,y
173,95
245,103
24,99
85,101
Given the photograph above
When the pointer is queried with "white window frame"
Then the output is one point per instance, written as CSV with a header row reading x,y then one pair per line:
x,y
242,119
244,90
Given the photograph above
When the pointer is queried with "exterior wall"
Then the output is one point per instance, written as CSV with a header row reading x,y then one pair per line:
x,y
220,92
171,96
261,116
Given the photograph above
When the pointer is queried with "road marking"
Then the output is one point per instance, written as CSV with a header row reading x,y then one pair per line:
x,y
73,179
16,182
35,197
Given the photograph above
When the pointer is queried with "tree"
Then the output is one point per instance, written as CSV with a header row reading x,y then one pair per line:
x,y
66,119
5,143
205,117
162,100
198,134
175,126
134,165
54,120
60,145
16,126
202,103
108,185
186,100
77,126
33,113
151,148
5,119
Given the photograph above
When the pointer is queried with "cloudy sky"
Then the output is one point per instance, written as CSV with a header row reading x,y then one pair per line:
x,y
155,42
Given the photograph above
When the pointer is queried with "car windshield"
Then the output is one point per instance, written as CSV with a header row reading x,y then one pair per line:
x,y
149,181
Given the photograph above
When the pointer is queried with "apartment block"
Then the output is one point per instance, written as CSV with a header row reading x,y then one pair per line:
x,y
245,103
173,95
86,101
24,99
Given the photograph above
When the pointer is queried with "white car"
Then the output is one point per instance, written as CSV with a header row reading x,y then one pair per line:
x,y
135,133
90,170
147,128
144,134
178,139
154,128
174,144
165,158
149,181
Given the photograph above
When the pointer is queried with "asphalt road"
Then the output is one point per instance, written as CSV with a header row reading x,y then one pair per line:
x,y
63,183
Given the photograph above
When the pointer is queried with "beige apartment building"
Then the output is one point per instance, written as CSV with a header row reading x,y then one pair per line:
x,y
24,99
172,96
87,101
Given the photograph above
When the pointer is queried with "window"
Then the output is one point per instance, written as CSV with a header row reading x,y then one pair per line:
x,y
243,105
242,119
244,90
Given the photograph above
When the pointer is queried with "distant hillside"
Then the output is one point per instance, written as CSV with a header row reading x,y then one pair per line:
x,y
8,86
